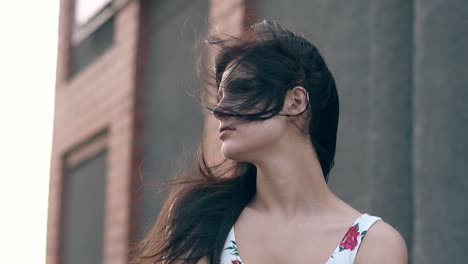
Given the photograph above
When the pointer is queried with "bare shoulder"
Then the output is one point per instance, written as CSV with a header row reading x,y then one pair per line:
x,y
382,244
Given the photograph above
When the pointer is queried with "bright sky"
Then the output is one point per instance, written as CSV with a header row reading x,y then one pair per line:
x,y
28,51
84,10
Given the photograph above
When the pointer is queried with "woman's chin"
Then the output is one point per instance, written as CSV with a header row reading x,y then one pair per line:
x,y
231,151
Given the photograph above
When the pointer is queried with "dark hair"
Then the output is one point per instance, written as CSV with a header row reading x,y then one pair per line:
x,y
207,200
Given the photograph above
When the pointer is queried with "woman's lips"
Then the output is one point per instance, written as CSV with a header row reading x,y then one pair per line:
x,y
226,128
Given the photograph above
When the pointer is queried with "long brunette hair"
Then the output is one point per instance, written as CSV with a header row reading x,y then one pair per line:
x,y
206,201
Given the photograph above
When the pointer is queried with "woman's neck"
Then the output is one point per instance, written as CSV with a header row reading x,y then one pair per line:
x,y
291,184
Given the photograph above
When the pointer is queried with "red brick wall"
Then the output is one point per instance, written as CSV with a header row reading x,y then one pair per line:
x,y
105,95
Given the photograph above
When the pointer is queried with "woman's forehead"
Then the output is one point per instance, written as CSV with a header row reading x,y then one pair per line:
x,y
234,71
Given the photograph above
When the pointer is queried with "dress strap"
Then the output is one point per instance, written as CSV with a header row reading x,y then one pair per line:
x,y
346,251
361,227
230,255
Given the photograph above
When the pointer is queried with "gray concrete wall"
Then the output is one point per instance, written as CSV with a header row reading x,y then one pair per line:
x,y
400,68
440,141
390,119
173,117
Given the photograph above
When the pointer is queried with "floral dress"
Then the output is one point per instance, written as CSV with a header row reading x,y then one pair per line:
x,y
344,253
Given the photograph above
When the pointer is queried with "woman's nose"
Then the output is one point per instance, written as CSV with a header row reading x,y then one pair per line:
x,y
217,113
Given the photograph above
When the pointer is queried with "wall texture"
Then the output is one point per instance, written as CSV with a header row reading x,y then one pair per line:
x,y
389,128
440,121
173,117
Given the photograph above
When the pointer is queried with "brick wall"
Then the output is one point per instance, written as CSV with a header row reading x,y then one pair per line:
x,y
104,96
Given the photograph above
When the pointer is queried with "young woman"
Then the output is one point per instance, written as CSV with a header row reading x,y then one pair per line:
x,y
269,201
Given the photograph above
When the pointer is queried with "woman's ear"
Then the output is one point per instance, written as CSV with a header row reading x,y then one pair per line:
x,y
297,100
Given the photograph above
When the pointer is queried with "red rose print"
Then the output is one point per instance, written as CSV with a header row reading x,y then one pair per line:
x,y
235,262
350,239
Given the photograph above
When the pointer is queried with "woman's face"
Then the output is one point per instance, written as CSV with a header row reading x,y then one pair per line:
x,y
246,141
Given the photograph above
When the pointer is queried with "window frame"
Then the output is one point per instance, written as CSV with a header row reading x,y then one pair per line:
x,y
80,33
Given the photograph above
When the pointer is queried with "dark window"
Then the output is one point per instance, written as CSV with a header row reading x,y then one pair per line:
x,y
84,210
89,49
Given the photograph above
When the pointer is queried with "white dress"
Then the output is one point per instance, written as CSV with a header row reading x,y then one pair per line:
x,y
345,252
